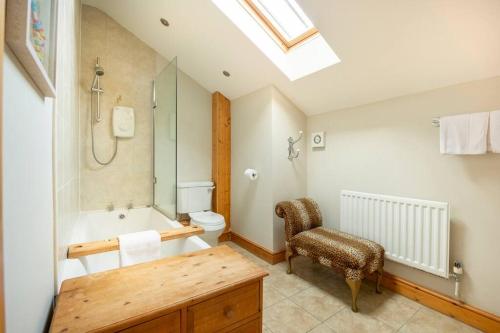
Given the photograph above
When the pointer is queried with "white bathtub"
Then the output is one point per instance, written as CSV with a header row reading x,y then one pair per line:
x,y
100,225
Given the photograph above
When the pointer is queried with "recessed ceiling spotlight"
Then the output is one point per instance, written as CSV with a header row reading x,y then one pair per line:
x,y
226,73
164,22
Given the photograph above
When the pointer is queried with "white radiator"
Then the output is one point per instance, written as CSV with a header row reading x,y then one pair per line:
x,y
413,232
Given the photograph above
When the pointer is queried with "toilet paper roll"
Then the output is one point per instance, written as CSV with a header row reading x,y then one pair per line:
x,y
251,173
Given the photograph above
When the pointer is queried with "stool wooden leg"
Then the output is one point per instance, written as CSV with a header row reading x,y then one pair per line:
x,y
355,285
380,272
289,256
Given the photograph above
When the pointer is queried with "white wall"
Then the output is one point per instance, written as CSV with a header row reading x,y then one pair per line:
x,y
251,147
289,177
391,148
66,134
194,130
27,201
261,123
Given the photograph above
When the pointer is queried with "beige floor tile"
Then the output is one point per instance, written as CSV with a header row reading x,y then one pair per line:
x,y
302,263
395,313
264,264
312,273
399,298
430,321
334,285
279,268
271,296
235,247
298,302
346,321
255,258
368,300
371,303
322,329
318,303
287,317
287,284
265,329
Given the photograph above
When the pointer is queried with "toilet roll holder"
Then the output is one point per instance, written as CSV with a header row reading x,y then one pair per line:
x,y
252,174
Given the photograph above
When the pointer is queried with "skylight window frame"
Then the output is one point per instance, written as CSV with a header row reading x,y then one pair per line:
x,y
275,34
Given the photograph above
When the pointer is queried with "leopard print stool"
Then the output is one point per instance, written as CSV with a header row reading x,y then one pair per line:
x,y
355,257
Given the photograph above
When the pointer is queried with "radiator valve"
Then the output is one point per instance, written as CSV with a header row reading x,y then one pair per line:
x,y
457,273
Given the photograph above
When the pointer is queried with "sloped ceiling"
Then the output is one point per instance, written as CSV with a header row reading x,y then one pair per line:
x,y
388,48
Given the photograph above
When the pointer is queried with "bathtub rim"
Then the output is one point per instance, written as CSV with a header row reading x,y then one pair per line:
x,y
71,268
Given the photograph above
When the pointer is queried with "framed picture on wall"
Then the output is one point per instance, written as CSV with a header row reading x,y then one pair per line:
x,y
30,32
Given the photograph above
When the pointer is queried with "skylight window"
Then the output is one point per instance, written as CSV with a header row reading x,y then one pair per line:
x,y
283,32
284,19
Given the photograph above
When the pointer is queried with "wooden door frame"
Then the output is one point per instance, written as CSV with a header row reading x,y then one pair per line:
x,y
2,44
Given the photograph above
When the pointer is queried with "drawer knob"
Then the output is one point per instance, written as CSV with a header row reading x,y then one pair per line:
x,y
228,312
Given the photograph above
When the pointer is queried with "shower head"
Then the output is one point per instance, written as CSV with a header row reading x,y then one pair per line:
x,y
96,88
99,71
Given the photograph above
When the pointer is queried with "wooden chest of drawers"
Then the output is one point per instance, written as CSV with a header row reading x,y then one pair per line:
x,y
224,310
213,290
170,323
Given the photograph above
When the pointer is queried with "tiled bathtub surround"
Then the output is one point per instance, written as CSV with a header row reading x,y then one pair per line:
x,y
317,300
129,68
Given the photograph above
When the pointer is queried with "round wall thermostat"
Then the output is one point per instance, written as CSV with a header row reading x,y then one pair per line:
x,y
318,139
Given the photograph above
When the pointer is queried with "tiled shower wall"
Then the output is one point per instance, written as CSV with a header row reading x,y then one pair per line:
x,y
66,138
129,68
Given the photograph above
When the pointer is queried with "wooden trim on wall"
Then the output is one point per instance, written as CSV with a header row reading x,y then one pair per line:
x,y
470,315
2,43
226,236
221,158
258,250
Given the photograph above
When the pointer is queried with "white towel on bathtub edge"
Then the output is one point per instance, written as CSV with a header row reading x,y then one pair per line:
x,y
464,134
494,137
138,247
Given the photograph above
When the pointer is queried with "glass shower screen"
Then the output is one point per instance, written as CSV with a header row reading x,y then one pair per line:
x,y
165,140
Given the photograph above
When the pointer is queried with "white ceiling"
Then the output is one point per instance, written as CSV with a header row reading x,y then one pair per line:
x,y
388,48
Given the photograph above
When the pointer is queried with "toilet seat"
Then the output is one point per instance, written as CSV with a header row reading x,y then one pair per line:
x,y
209,221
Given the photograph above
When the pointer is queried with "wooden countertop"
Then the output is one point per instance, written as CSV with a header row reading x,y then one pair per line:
x,y
119,297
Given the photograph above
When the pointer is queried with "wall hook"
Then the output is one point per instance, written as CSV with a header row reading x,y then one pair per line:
x,y
293,153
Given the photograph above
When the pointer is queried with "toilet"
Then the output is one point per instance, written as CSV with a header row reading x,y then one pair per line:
x,y
195,198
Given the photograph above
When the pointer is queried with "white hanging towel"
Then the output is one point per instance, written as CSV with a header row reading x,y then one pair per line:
x,y
139,247
494,138
464,134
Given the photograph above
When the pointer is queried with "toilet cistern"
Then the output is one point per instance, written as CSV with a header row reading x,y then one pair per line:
x,y
195,199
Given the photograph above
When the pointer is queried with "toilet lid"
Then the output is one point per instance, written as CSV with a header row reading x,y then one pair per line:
x,y
210,221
